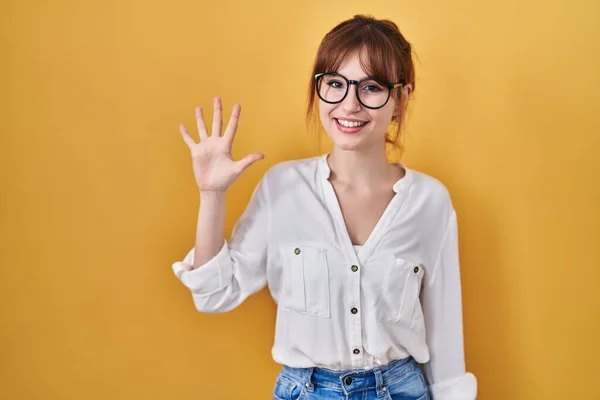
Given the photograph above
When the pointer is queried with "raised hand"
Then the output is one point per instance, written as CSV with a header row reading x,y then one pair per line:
x,y
214,169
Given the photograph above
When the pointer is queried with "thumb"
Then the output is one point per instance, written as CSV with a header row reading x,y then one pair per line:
x,y
248,161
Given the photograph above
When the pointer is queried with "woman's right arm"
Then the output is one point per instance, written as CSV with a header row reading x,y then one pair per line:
x,y
222,275
210,228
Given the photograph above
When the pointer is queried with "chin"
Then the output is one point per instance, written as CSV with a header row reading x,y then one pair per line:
x,y
347,146
346,143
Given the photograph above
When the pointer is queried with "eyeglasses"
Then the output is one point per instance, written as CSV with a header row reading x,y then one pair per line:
x,y
371,92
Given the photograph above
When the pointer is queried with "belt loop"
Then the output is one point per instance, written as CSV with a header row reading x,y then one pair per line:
x,y
379,382
309,385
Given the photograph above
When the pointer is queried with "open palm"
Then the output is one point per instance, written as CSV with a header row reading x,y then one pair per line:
x,y
214,169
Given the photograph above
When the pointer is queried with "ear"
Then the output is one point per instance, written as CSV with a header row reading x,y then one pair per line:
x,y
405,93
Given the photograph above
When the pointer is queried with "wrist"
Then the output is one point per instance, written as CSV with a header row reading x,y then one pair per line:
x,y
212,195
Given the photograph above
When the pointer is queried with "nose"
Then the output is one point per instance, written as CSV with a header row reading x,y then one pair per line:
x,y
350,103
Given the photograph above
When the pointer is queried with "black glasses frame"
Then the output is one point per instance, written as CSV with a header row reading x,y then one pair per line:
x,y
349,82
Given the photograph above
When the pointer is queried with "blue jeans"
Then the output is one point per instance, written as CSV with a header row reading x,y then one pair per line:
x,y
399,380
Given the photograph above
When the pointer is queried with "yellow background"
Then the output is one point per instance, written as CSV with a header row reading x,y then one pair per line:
x,y
98,197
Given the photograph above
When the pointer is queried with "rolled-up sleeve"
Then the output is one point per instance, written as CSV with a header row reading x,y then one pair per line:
x,y
442,307
239,268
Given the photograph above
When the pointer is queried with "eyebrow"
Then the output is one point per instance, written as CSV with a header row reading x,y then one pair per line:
x,y
358,79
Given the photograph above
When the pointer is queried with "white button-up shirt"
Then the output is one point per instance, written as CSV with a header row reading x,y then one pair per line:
x,y
341,307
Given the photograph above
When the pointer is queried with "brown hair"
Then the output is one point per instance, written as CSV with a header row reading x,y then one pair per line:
x,y
382,50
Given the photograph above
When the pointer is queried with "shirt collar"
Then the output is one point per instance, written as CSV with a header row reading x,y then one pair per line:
x,y
401,184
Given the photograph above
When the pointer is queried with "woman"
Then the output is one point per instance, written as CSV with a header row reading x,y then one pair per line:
x,y
360,254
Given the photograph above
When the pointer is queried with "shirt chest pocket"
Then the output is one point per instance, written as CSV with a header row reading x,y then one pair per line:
x,y
305,286
398,300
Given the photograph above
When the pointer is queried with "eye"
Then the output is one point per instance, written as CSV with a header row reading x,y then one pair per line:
x,y
372,87
336,84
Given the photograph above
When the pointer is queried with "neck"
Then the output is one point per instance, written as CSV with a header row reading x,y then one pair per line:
x,y
362,168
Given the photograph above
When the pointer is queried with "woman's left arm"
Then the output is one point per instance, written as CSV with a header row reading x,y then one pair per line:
x,y
442,308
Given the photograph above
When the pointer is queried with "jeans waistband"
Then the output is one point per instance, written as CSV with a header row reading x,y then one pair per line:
x,y
354,380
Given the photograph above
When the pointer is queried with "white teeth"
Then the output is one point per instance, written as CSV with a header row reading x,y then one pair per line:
x,y
350,124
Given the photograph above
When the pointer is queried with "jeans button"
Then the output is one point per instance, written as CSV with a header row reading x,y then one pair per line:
x,y
348,380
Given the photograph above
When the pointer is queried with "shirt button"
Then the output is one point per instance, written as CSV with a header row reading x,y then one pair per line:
x,y
348,380
297,251
416,269
354,268
356,351
354,310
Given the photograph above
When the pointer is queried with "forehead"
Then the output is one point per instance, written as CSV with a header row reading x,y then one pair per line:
x,y
352,68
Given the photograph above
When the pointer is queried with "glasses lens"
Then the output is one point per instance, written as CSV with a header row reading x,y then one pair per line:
x,y
373,93
332,88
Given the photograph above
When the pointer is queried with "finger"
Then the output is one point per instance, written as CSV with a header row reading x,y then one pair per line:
x,y
186,137
248,161
217,117
201,125
233,122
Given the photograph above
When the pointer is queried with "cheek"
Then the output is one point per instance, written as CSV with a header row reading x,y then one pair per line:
x,y
380,121
384,119
325,112
384,116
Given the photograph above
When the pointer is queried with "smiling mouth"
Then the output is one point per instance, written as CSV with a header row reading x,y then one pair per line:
x,y
350,124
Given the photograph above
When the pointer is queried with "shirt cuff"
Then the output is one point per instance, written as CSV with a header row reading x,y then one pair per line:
x,y
461,388
209,278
